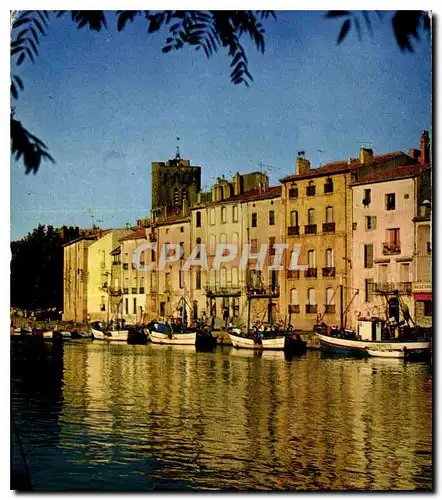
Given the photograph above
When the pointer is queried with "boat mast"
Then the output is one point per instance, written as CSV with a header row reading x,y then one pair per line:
x,y
341,293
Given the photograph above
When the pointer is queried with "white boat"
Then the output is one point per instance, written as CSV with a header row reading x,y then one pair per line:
x,y
119,335
83,335
172,338
48,334
242,342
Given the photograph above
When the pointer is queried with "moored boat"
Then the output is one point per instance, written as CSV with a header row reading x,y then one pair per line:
x,y
169,334
257,341
100,333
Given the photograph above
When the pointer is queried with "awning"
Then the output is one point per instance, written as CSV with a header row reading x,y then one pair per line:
x,y
422,296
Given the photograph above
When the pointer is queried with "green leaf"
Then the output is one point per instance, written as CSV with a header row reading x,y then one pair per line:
x,y
21,58
344,30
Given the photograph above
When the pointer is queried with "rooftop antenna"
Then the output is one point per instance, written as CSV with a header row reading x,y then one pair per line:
x,y
320,151
301,154
178,156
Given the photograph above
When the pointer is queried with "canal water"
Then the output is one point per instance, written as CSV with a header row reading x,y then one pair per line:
x,y
118,417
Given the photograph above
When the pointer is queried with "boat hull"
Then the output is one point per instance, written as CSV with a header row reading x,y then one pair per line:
x,y
172,338
363,348
118,335
248,343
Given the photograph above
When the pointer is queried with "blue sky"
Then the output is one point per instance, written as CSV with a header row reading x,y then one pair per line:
x,y
108,104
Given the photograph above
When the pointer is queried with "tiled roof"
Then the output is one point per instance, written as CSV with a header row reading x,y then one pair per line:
x,y
341,166
251,195
116,250
172,219
401,172
139,233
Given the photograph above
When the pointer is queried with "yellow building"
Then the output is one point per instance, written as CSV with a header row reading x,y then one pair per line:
x,y
75,286
99,264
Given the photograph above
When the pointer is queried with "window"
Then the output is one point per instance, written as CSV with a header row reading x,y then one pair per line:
x,y
223,277
369,290
428,308
254,219
126,305
234,276
370,223
329,257
328,186
294,296
394,236
271,218
367,197
235,238
212,244
368,256
223,215
235,213
329,296
198,241
198,279
311,258
390,201
311,299
404,273
212,216
198,219
329,215
212,277
254,246
272,241
383,272
293,192
103,303
311,189
294,218
135,305
311,216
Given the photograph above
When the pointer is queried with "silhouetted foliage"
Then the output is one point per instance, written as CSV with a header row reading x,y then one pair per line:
x,y
37,268
207,30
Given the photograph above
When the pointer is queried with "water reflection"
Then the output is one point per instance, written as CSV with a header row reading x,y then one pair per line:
x,y
159,417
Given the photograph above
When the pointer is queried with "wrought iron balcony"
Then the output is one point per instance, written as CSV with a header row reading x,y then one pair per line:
x,y
328,227
310,229
405,287
329,272
293,274
311,309
312,272
294,309
134,290
227,290
330,309
402,287
391,248
263,290
293,230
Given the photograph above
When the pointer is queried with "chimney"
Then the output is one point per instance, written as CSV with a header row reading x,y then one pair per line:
x,y
302,166
236,181
365,155
415,154
425,147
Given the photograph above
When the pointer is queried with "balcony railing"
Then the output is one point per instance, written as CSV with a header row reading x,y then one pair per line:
x,y
114,291
294,309
329,272
126,290
311,309
293,274
310,229
293,230
223,290
125,266
391,248
328,227
405,287
263,290
134,290
330,309
311,272
311,190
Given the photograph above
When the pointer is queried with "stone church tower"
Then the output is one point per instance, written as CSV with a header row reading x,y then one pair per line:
x,y
173,182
